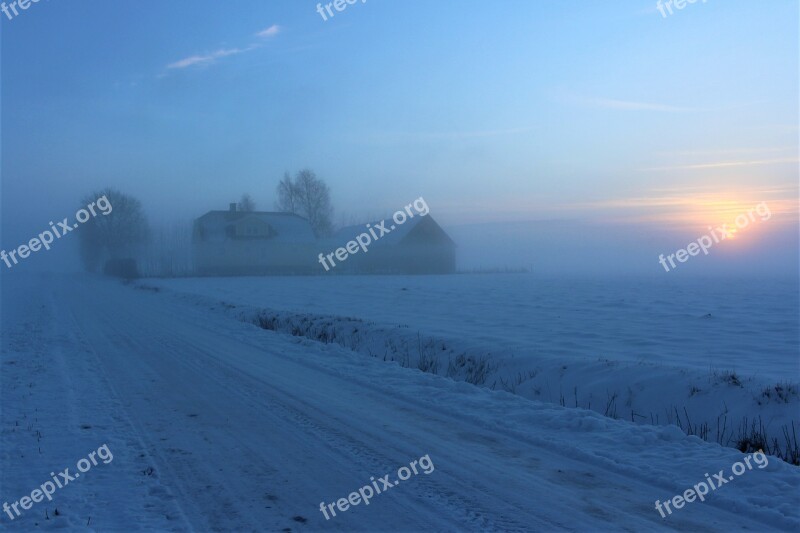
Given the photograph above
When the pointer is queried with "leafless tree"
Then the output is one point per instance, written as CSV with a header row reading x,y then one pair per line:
x,y
287,197
308,196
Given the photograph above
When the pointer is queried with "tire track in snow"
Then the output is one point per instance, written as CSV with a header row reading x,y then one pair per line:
x,y
231,356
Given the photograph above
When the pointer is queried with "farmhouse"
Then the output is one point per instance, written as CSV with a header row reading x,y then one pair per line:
x,y
419,246
240,243
252,243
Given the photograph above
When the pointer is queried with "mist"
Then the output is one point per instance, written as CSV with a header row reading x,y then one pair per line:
x,y
580,176
399,265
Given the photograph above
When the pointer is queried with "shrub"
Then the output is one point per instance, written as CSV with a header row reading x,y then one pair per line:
x,y
121,268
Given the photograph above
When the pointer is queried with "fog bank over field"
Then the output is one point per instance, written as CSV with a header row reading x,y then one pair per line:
x,y
540,137
548,247
587,248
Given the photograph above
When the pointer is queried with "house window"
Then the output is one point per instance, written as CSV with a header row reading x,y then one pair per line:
x,y
254,231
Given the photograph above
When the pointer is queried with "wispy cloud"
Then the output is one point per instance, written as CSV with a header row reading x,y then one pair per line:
x,y
382,137
272,31
208,58
212,57
727,164
627,105
691,206
730,151
467,134
636,105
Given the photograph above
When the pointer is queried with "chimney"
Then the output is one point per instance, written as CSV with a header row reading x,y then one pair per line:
x,y
233,207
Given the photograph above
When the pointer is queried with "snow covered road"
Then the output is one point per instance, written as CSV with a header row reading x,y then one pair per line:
x,y
219,425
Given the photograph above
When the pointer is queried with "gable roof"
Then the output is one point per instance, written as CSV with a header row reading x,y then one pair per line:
x,y
394,236
288,226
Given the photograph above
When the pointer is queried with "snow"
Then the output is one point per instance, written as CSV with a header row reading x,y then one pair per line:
x,y
218,424
619,350
694,323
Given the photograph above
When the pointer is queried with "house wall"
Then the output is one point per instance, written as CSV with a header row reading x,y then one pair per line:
x,y
403,259
251,257
252,247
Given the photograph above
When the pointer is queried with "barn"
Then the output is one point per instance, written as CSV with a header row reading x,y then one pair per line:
x,y
418,246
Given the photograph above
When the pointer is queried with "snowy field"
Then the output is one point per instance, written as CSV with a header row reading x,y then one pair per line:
x,y
718,358
747,326
217,424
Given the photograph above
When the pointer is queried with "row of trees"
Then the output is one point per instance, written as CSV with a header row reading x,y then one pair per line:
x,y
124,233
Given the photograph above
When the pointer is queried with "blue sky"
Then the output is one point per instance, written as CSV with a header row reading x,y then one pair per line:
x,y
493,111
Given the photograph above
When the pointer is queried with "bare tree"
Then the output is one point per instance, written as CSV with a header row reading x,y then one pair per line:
x,y
113,235
247,204
308,196
287,197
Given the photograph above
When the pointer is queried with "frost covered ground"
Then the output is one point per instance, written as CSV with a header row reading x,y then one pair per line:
x,y
717,357
747,326
219,423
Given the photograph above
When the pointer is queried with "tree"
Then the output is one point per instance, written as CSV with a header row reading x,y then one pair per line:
x,y
287,198
247,204
114,232
308,196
